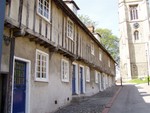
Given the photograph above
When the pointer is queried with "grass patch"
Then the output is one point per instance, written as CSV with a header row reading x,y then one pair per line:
x,y
139,80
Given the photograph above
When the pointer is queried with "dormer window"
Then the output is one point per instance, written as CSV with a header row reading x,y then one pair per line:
x,y
72,5
134,12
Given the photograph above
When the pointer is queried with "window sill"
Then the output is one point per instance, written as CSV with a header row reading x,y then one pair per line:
x,y
92,54
71,38
46,19
65,81
41,80
134,20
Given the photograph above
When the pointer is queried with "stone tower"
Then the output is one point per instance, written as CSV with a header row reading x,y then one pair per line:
x,y
134,28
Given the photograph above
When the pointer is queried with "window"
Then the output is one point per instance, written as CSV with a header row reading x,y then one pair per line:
x,y
109,62
70,29
136,35
92,48
64,70
87,74
41,66
96,77
133,12
44,8
100,55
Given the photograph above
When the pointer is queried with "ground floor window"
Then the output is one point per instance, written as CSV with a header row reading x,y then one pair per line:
x,y
64,70
41,66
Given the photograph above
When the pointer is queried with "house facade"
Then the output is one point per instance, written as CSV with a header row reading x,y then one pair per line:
x,y
49,57
134,29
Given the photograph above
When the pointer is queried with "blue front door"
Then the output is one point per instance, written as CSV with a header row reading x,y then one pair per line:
x,y
74,80
81,79
19,88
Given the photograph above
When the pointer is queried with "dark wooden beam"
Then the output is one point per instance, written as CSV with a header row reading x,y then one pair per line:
x,y
19,32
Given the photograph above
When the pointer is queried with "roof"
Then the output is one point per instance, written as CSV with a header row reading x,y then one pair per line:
x,y
74,17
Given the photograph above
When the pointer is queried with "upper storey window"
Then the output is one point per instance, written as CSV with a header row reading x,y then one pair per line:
x,y
70,29
44,9
134,12
92,48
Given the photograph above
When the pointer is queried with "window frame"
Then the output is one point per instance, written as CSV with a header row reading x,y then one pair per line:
x,y
133,9
87,74
92,48
63,69
100,55
70,29
108,62
41,53
136,35
43,10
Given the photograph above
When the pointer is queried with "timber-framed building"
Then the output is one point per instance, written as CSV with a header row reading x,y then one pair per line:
x,y
49,57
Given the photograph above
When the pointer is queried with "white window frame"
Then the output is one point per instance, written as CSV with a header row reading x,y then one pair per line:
x,y
96,76
92,48
100,55
87,74
109,62
43,54
43,10
64,70
70,29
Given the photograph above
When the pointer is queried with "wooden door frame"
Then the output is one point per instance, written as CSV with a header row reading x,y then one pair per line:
x,y
28,74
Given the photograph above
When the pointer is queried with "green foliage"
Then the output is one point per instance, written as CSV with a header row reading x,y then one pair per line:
x,y
139,81
110,42
86,20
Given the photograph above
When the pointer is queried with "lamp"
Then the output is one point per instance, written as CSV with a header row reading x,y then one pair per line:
x,y
6,40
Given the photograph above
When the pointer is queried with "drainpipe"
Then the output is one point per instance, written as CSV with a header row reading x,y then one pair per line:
x,y
2,18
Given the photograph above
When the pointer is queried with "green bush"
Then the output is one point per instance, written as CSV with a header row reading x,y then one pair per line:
x,y
139,80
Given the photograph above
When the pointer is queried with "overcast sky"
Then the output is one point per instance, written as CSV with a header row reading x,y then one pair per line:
x,y
103,12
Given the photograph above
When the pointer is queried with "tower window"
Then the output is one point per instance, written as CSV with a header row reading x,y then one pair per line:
x,y
136,35
134,12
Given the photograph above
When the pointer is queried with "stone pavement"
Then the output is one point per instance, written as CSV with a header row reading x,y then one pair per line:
x,y
92,104
144,90
133,98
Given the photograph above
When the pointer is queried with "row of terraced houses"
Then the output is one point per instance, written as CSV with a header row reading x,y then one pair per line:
x,y
49,57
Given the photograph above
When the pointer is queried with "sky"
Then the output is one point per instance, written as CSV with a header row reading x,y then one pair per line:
x,y
103,12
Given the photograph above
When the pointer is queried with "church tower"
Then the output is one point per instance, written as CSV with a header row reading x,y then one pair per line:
x,y
134,29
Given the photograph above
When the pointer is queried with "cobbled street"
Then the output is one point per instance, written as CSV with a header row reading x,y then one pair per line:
x,y
93,104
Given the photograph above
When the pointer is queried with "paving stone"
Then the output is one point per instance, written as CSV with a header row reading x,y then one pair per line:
x,y
92,104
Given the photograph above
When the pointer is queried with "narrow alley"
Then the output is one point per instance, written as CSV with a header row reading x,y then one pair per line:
x,y
130,99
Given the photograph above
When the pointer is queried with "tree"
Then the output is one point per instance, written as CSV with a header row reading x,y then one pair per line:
x,y
108,40
87,21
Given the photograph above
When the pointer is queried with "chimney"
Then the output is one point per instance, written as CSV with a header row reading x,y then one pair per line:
x,y
72,5
91,29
